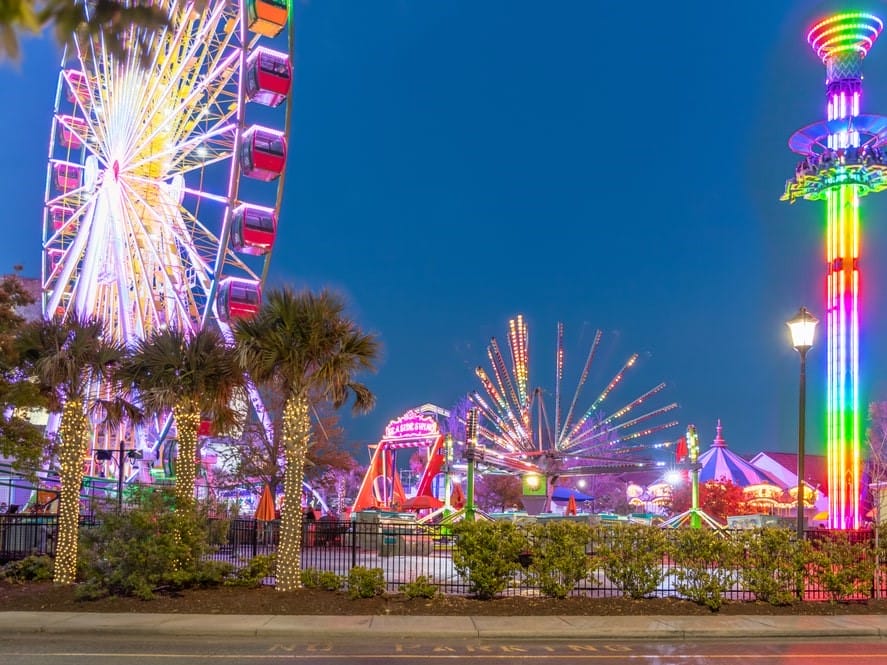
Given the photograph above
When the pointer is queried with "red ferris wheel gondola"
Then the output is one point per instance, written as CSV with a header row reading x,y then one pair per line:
x,y
71,130
238,299
60,216
67,176
262,153
77,89
253,229
269,76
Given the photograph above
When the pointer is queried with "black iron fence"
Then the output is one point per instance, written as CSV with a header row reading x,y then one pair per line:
x,y
403,551
406,551
23,535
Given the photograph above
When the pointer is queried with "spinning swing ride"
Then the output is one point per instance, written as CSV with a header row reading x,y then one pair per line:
x,y
518,433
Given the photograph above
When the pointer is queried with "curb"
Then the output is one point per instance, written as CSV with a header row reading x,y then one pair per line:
x,y
473,627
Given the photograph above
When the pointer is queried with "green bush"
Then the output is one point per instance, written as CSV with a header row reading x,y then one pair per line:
x,y
486,554
212,573
840,566
774,564
636,575
706,565
312,578
421,587
559,559
365,582
880,535
217,532
147,548
34,568
255,570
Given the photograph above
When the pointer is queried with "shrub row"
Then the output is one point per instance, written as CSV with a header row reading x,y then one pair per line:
x,y
770,564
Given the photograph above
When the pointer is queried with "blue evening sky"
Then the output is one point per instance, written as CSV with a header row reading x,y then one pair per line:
x,y
613,165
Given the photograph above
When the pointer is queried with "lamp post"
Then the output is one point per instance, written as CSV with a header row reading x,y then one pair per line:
x,y
802,327
105,455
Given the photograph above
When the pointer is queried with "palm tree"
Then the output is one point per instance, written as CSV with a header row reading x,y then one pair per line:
x,y
192,375
71,363
302,345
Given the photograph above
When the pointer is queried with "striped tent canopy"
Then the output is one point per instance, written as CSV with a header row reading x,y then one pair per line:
x,y
720,463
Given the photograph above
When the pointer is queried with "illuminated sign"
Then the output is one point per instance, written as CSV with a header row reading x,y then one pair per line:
x,y
411,425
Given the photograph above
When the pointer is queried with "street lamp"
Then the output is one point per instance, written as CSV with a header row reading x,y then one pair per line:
x,y
802,327
105,455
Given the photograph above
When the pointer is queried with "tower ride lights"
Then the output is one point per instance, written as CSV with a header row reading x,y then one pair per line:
x,y
842,162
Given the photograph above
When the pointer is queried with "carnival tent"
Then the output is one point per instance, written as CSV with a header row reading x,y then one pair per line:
x,y
720,463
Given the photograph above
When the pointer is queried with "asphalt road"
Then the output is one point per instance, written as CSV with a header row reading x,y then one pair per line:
x,y
43,649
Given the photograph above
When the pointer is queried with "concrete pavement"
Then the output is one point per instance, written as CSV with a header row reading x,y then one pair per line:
x,y
871,626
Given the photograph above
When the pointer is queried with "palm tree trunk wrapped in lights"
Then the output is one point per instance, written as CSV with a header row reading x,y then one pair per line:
x,y
73,442
187,419
296,433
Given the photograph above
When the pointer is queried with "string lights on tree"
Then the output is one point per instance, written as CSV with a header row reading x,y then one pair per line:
x,y
187,418
297,435
73,432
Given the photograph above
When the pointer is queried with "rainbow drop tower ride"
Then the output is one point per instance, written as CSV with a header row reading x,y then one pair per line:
x,y
843,161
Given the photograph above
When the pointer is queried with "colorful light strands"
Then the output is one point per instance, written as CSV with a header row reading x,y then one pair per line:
x,y
520,435
843,161
850,31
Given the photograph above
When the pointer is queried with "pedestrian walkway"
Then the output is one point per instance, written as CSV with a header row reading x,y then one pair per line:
x,y
871,626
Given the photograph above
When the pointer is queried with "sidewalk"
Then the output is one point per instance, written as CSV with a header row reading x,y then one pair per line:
x,y
401,627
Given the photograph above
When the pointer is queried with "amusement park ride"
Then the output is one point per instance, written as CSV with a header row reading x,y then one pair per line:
x,y
509,430
694,515
417,429
518,434
843,160
164,180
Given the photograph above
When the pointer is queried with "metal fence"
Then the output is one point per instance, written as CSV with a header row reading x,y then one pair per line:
x,y
403,552
406,551
23,535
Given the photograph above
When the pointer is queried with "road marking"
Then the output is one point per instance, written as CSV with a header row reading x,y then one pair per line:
x,y
781,658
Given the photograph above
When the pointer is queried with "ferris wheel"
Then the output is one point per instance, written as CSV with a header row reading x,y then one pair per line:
x,y
165,171
164,174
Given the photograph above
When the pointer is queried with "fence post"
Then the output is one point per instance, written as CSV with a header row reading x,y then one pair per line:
x,y
354,543
255,537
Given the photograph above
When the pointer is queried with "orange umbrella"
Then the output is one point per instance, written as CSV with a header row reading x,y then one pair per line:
x,y
571,505
457,497
265,510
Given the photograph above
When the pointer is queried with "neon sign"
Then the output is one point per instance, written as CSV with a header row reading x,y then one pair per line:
x,y
411,425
